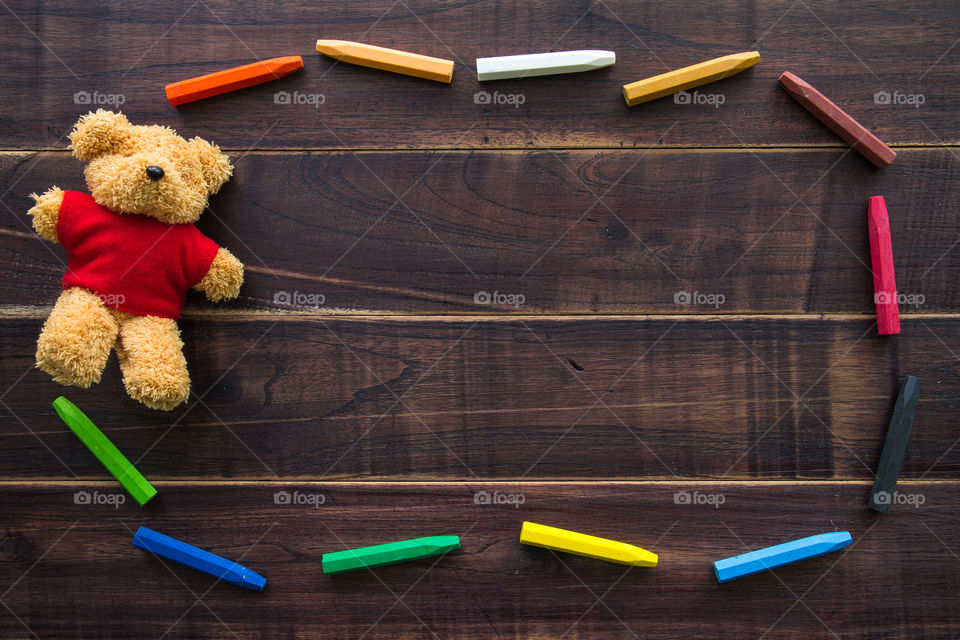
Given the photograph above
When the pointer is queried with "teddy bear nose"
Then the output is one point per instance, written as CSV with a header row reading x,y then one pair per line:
x,y
154,172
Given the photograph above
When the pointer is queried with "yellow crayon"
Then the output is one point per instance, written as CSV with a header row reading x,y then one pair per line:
x,y
687,78
366,55
581,544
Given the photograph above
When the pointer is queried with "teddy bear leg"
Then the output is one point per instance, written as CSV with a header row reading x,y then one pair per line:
x,y
77,338
152,362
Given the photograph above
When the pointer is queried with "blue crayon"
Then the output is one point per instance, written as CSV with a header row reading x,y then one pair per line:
x,y
181,552
779,555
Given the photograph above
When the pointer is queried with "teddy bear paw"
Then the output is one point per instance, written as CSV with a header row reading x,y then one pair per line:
x,y
156,393
66,368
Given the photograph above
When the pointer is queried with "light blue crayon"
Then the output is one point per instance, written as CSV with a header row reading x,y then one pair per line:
x,y
779,555
181,552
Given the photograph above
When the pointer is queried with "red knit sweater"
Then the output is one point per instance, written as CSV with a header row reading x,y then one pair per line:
x,y
131,262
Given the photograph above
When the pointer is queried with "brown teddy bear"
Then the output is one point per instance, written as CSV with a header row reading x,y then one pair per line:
x,y
133,252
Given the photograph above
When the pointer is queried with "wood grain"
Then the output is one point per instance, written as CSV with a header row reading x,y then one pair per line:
x,y
655,397
527,223
83,576
850,51
395,403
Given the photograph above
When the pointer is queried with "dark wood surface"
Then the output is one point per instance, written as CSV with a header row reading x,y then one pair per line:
x,y
849,51
527,223
883,586
596,402
382,398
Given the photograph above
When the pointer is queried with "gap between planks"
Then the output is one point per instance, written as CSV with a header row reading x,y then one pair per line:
x,y
26,312
405,481
652,147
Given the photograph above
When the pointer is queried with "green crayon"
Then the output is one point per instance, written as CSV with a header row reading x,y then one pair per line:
x,y
390,553
115,462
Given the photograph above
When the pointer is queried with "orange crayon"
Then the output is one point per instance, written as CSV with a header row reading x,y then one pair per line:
x,y
213,84
367,55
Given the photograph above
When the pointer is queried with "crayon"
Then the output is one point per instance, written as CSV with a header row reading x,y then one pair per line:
x,y
687,78
173,549
837,120
111,458
881,254
391,553
776,556
543,64
895,445
213,84
365,55
581,544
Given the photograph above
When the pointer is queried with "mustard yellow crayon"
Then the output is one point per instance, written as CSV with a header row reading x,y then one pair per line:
x,y
581,544
366,55
687,78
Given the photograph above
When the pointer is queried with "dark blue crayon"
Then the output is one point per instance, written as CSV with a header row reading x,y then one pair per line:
x,y
187,554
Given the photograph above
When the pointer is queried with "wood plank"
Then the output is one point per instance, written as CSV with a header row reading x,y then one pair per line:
x,y
507,398
850,51
527,223
74,573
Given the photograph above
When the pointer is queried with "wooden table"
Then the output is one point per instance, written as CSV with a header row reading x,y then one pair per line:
x,y
393,403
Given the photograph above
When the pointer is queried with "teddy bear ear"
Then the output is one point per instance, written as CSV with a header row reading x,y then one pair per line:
x,y
99,132
214,163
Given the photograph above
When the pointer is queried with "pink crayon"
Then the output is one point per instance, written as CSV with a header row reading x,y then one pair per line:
x,y
881,254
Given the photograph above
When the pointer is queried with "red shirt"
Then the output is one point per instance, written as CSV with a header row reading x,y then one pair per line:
x,y
131,262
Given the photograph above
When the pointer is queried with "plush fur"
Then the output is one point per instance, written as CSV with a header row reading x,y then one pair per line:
x,y
45,213
223,280
81,331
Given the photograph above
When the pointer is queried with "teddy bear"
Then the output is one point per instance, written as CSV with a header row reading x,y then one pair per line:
x,y
132,254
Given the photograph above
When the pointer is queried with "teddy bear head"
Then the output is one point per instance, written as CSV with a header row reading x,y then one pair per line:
x,y
147,170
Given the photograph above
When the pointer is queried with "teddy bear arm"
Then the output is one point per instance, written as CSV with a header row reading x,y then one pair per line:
x,y
224,277
46,212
